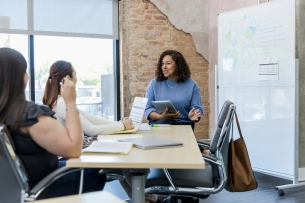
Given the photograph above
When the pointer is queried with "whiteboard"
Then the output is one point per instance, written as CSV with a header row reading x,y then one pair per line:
x,y
256,71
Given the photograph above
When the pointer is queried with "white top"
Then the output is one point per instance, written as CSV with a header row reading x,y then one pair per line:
x,y
91,125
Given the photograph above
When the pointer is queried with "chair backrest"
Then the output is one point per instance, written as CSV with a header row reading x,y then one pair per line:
x,y
13,184
222,126
221,137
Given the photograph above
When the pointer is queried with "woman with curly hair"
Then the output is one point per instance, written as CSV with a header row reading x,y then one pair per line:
x,y
173,82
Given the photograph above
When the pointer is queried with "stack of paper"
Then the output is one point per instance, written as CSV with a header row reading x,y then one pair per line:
x,y
109,147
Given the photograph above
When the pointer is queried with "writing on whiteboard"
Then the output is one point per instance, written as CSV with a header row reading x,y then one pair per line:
x,y
268,71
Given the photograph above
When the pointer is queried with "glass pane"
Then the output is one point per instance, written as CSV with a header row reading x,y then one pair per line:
x,y
19,43
93,62
13,14
76,16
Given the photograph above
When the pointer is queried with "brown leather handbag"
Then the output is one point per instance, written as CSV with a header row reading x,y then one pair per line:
x,y
240,174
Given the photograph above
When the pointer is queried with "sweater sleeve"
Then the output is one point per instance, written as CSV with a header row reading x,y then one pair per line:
x,y
150,94
93,126
96,120
196,100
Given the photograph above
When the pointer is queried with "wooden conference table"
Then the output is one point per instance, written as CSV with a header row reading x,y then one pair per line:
x,y
186,157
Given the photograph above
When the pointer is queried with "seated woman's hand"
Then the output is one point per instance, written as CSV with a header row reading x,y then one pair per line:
x,y
194,115
128,124
67,90
166,114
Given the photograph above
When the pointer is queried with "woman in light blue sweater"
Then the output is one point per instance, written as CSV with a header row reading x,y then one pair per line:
x,y
172,82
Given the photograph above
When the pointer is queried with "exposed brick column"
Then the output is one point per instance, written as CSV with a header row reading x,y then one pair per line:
x,y
145,34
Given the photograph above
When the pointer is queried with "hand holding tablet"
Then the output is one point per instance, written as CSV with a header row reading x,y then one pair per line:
x,y
162,105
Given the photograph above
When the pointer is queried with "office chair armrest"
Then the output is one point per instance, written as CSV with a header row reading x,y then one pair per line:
x,y
204,142
113,174
211,159
49,179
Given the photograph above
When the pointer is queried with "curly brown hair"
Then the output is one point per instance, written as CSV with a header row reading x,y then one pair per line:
x,y
183,71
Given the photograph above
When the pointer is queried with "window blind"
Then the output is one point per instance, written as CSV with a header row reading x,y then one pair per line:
x,y
77,18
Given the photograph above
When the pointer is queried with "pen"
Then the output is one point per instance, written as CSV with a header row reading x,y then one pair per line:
x,y
160,125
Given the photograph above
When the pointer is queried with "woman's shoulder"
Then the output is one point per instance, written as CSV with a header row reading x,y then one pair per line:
x,y
190,81
33,111
60,101
153,82
60,104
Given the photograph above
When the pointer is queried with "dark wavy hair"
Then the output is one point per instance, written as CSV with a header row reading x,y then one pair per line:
x,y
58,71
182,69
12,96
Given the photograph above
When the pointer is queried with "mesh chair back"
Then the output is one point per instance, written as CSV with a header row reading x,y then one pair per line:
x,y
13,184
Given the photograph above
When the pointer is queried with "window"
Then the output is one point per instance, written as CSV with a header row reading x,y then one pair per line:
x,y
19,43
59,30
92,59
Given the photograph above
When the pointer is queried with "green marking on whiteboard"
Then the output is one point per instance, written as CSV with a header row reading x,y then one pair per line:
x,y
228,36
249,33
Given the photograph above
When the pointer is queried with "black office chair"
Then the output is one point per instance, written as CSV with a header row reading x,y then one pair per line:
x,y
14,182
198,183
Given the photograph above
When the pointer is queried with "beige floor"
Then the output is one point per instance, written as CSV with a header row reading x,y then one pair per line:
x,y
115,188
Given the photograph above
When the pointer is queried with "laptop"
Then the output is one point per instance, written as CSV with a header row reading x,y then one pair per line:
x,y
152,142
136,115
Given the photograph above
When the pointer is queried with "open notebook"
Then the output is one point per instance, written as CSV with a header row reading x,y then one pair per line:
x,y
109,147
136,115
152,142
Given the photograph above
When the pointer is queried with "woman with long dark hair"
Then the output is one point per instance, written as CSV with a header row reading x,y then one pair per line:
x,y
38,137
91,125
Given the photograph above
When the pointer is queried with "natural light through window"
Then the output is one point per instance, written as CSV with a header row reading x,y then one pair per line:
x,y
18,42
93,61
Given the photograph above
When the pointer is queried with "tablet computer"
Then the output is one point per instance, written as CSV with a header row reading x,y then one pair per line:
x,y
162,105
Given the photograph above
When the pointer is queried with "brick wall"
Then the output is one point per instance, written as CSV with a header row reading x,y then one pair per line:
x,y
144,34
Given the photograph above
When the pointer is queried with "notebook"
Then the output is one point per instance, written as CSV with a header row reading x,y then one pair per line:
x,y
152,142
109,147
136,115
118,137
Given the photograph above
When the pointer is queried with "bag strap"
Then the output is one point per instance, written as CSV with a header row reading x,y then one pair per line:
x,y
232,126
238,126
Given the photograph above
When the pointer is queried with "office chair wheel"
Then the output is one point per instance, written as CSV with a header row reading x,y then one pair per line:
x,y
281,192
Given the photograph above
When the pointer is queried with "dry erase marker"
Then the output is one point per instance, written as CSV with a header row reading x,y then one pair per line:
x,y
160,125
